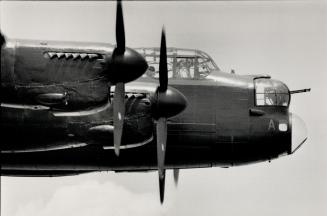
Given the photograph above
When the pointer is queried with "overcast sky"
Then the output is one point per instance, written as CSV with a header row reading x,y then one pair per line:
x,y
287,40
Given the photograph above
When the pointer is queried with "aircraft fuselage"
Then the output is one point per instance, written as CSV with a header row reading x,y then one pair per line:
x,y
56,116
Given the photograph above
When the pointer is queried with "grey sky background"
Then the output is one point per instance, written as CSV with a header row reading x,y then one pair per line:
x,y
287,40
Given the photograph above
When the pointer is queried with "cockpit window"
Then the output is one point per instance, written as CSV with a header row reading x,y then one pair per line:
x,y
205,66
184,67
182,63
271,93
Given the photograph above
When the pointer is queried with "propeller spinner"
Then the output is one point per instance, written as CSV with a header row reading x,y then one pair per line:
x,y
124,65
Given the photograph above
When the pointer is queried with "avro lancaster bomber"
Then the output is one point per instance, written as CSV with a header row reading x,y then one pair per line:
x,y
69,108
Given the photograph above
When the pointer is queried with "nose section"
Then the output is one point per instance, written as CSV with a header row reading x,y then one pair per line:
x,y
299,132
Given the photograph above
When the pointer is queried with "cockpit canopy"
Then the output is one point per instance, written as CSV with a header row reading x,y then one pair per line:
x,y
270,92
182,63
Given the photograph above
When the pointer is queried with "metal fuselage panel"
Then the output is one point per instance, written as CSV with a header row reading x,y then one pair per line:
x,y
216,129
30,68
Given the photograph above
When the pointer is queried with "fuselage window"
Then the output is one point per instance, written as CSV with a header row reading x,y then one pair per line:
x,y
271,93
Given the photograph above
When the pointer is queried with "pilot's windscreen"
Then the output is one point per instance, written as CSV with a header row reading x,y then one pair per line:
x,y
204,67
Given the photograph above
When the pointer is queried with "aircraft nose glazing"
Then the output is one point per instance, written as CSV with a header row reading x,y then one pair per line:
x,y
299,132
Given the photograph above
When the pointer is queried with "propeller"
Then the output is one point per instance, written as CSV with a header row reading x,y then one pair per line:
x,y
119,97
167,102
124,65
161,128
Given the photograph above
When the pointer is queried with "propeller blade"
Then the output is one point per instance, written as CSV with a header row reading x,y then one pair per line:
x,y
161,130
163,71
119,114
162,186
176,176
120,30
161,144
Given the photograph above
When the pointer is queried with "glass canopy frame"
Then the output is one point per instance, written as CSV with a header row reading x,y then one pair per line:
x,y
182,63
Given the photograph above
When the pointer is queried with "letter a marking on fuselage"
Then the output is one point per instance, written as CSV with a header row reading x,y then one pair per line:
x,y
271,125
